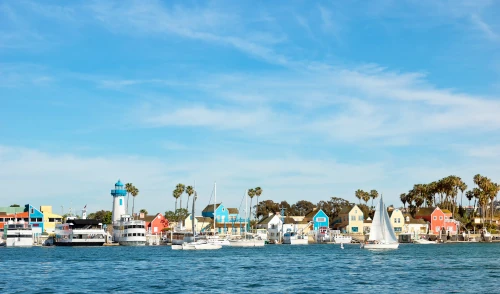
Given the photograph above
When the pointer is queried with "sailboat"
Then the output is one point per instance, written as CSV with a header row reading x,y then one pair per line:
x,y
248,239
196,245
382,234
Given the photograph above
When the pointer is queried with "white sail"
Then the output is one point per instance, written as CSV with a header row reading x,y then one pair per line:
x,y
389,235
381,229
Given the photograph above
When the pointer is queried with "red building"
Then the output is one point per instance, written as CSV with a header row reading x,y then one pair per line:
x,y
154,223
440,220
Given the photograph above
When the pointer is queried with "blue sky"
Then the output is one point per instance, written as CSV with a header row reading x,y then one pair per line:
x,y
307,99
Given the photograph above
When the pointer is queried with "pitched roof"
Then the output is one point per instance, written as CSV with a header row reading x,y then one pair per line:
x,y
289,220
413,220
346,209
427,211
202,219
148,218
311,213
446,211
266,220
232,210
210,207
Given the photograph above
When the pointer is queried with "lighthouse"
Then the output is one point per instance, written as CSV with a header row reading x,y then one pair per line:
x,y
118,201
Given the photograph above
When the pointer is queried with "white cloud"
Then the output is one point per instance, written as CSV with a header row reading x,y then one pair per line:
x,y
41,178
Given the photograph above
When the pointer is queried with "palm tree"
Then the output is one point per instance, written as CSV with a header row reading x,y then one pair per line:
x,y
359,194
403,199
258,192
176,195
251,194
181,188
134,193
366,197
144,211
373,195
129,187
462,187
189,191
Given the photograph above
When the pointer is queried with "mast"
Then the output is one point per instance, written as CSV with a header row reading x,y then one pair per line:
x,y
215,204
192,213
246,212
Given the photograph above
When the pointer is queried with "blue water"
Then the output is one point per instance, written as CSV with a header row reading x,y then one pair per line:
x,y
459,268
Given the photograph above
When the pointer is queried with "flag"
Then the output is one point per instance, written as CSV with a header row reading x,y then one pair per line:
x,y
85,206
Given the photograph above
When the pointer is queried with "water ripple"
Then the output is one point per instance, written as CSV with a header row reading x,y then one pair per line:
x,y
453,268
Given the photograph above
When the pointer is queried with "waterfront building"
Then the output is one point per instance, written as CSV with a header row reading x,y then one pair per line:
x,y
350,220
155,224
397,220
273,225
440,219
50,219
227,219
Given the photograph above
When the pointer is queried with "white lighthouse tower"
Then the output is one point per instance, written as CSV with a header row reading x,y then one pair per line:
x,y
118,201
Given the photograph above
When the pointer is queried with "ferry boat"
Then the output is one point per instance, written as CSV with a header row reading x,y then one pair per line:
x,y
80,232
129,232
18,234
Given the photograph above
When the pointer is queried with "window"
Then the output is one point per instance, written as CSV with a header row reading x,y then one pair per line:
x,y
434,218
353,217
320,219
397,229
360,217
440,218
354,229
121,202
437,229
356,211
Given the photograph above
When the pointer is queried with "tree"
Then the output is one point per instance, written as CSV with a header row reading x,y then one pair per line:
x,y
365,197
134,193
189,192
176,194
181,188
102,215
258,192
403,199
143,210
15,205
302,207
264,208
373,195
128,187
170,215
251,194
359,194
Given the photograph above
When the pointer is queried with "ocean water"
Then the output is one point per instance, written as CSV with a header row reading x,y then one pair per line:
x,y
321,268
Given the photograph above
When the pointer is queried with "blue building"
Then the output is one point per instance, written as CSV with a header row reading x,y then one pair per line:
x,y
35,218
226,218
320,220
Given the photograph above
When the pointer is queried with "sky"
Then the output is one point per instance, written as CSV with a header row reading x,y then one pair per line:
x,y
306,99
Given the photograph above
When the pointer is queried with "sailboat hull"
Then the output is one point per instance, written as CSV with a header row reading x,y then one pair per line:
x,y
381,246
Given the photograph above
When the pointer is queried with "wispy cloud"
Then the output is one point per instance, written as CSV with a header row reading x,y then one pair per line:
x,y
485,28
199,24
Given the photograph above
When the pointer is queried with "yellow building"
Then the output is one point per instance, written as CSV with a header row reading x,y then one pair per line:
x,y
350,220
50,219
397,220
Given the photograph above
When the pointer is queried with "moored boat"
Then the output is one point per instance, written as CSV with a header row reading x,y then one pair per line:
x,y
18,234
